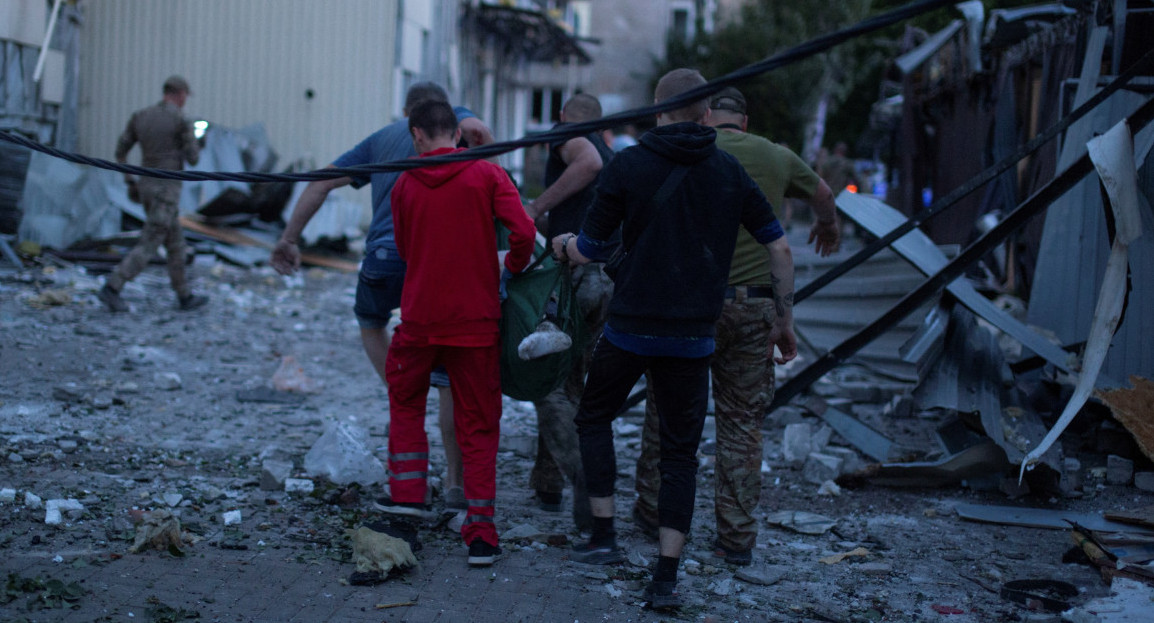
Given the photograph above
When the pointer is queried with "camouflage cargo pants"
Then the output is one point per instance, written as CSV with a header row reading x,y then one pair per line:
x,y
161,199
743,385
558,456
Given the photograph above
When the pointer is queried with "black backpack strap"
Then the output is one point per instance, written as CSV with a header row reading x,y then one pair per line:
x,y
672,181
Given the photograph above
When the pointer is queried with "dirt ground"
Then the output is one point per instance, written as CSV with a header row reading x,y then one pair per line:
x,y
90,410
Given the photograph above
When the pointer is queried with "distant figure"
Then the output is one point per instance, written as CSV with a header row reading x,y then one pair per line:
x,y
837,170
166,142
443,217
624,137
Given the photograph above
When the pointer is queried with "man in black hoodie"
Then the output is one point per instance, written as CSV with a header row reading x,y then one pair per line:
x,y
680,201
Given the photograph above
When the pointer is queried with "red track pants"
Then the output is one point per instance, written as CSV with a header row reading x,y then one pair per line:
x,y
475,376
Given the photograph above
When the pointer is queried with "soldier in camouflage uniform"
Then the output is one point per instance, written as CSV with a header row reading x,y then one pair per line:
x,y
166,142
570,173
743,379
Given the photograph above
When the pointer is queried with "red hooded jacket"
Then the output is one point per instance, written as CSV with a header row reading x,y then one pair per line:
x,y
444,218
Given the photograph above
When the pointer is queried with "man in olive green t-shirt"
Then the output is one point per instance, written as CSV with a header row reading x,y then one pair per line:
x,y
743,380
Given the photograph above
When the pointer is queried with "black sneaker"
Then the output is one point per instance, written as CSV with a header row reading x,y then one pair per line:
x,y
410,509
111,299
481,554
732,556
549,501
662,595
601,554
192,301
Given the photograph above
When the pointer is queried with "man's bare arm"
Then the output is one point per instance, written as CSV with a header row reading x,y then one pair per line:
x,y
286,256
582,164
826,228
781,278
476,133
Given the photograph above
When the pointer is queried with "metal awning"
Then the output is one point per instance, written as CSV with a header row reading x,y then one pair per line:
x,y
530,33
914,58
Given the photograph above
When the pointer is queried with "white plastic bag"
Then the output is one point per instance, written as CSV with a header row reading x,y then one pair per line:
x,y
342,456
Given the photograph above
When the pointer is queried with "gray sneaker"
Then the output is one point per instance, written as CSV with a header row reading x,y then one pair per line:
x,y
111,299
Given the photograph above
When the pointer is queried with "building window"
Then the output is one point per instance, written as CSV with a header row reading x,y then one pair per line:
x,y
681,23
681,17
545,106
555,106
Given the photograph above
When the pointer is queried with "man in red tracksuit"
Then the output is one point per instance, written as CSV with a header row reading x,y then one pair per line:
x,y
443,217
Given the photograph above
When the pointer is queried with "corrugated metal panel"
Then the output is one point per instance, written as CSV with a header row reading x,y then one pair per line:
x,y
251,61
1072,260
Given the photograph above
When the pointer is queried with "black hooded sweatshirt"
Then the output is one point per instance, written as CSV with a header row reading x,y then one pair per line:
x,y
672,280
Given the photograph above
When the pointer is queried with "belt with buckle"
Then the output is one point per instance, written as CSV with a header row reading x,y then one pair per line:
x,y
749,292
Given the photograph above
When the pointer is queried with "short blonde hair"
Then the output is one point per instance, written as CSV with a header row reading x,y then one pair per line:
x,y
677,82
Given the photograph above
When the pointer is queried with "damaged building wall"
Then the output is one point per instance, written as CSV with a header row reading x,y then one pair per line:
x,y
44,106
1073,255
318,75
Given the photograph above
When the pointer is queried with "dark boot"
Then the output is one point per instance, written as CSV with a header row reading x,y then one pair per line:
x,y
193,301
111,299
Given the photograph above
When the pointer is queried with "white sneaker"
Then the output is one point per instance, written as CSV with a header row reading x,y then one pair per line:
x,y
546,339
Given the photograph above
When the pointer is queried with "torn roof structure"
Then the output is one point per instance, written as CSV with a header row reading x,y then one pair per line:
x,y
526,32
1039,63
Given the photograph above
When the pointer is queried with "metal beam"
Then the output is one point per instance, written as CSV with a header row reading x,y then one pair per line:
x,y
1033,206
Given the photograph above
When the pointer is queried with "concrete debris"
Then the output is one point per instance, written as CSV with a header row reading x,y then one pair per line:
x,y
340,454
160,530
274,473
637,559
1144,481
231,518
524,446
299,485
762,575
829,488
54,510
820,467
69,392
146,355
801,521
522,531
167,381
1128,602
172,499
613,591
32,501
49,298
7,495
291,377
799,440
874,568
722,588
1119,471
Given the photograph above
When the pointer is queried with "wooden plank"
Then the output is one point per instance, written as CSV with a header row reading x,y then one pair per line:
x,y
231,236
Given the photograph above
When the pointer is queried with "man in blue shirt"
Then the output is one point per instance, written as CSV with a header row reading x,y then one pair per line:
x,y
679,200
382,270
